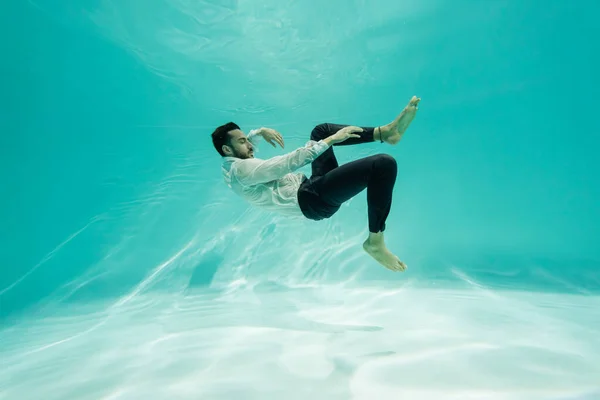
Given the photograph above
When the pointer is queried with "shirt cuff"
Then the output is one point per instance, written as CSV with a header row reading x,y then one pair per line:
x,y
253,134
253,137
321,146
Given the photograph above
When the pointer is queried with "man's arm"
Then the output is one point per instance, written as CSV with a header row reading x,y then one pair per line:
x,y
253,136
252,171
271,136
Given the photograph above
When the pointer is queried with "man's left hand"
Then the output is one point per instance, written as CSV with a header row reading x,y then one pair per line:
x,y
271,136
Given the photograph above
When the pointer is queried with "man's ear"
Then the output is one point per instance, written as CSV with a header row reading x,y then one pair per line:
x,y
226,149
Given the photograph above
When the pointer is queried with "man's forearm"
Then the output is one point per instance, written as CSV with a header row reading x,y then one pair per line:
x,y
330,141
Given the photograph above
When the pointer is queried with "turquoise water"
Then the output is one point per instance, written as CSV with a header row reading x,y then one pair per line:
x,y
129,270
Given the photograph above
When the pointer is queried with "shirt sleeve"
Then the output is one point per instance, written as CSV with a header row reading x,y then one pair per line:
x,y
254,138
252,171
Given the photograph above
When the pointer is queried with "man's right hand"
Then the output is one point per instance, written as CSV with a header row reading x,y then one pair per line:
x,y
343,134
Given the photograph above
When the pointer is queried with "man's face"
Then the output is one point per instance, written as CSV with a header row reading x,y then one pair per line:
x,y
239,146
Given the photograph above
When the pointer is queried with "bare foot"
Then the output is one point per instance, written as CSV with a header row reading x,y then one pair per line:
x,y
375,247
392,132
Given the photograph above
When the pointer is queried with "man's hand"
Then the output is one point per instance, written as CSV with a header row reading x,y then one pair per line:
x,y
343,134
271,136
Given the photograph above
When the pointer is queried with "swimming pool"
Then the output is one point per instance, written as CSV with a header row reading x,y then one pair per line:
x,y
130,271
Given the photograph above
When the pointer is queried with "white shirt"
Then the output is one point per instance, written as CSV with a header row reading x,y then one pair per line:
x,y
271,184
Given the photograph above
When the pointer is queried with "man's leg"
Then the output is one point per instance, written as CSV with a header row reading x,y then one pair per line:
x,y
378,175
375,173
390,133
327,161
331,185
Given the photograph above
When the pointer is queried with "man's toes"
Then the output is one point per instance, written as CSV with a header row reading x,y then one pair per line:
x,y
401,266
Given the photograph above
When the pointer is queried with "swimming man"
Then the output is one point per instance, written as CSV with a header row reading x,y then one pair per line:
x,y
274,184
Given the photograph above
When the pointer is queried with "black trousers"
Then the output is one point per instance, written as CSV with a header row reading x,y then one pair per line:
x,y
330,185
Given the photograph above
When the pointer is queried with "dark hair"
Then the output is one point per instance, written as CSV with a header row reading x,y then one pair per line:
x,y
220,136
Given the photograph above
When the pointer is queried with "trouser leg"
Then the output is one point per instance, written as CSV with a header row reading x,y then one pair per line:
x,y
324,195
327,161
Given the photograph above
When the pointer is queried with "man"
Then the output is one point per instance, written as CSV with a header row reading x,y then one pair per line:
x,y
274,185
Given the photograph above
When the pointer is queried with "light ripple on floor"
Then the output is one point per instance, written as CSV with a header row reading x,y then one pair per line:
x,y
328,342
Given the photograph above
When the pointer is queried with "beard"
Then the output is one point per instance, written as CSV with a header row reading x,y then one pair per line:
x,y
243,156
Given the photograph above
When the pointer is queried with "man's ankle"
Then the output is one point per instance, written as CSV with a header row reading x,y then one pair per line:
x,y
377,134
375,237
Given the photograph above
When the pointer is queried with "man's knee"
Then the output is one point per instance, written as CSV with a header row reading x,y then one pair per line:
x,y
385,161
319,132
